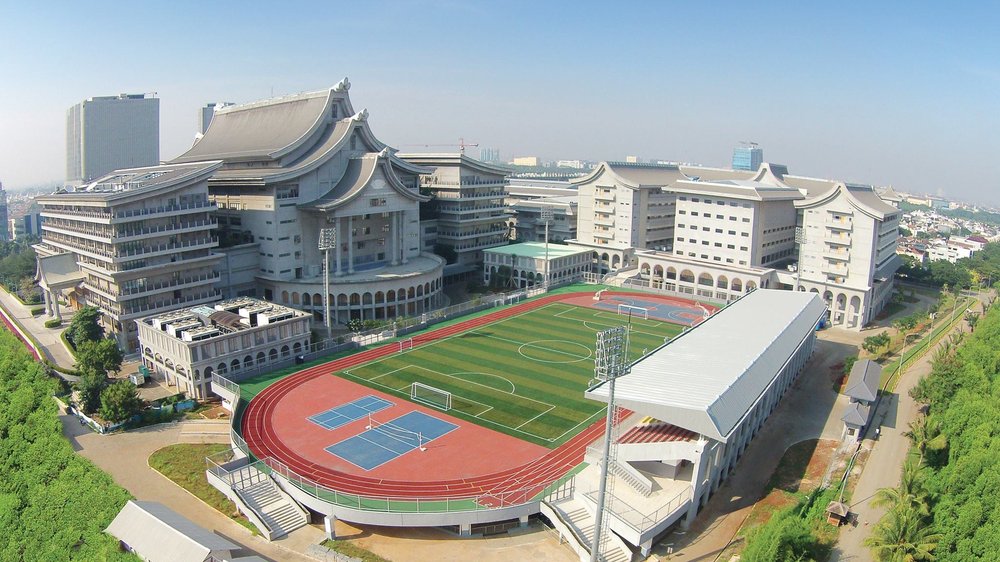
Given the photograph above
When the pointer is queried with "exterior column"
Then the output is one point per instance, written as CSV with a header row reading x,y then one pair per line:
x,y
48,305
402,234
330,526
394,236
522,521
336,249
350,245
465,530
55,306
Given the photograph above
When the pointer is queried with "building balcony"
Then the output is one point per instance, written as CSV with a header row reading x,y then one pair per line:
x,y
469,195
168,210
125,293
837,256
432,182
598,196
482,244
146,309
459,235
834,268
110,235
604,234
839,225
160,249
96,217
838,240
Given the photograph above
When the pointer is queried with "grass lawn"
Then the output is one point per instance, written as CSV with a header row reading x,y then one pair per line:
x,y
184,463
349,549
524,375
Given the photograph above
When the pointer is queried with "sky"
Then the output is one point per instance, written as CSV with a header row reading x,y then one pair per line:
x,y
888,93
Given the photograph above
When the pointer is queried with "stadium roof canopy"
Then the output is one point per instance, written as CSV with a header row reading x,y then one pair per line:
x,y
710,377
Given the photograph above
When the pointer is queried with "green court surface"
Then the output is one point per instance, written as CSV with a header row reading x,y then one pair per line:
x,y
524,375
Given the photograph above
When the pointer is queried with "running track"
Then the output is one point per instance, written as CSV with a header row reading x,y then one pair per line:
x,y
509,487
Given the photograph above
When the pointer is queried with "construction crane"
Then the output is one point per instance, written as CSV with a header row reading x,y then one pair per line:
x,y
462,145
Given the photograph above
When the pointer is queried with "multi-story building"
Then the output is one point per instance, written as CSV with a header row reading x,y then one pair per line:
x,y
295,165
142,239
748,157
468,206
624,206
29,224
528,263
528,225
185,348
207,113
110,133
4,234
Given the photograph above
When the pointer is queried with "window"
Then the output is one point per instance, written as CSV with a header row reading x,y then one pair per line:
x,y
718,230
361,245
704,256
704,242
298,239
723,203
377,201
732,233
719,216
745,219
732,218
730,246
718,244
694,199
744,234
743,248
694,213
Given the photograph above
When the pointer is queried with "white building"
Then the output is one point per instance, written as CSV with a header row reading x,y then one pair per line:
x,y
708,392
142,242
297,164
468,206
110,133
527,263
185,348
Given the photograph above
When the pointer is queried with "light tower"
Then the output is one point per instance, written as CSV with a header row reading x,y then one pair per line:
x,y
327,240
546,215
610,362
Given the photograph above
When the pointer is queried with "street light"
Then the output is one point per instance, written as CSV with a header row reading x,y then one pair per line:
x,y
610,362
902,355
546,215
327,240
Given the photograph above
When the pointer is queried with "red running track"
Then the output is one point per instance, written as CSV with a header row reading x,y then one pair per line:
x,y
503,487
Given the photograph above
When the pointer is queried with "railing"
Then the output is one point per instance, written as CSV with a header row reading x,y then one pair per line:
x,y
165,247
469,196
642,522
169,284
163,209
432,181
163,304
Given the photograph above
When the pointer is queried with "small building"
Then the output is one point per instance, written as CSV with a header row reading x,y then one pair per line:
x,y
527,262
862,389
243,335
156,533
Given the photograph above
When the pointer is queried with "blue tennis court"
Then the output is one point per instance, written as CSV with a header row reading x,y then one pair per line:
x,y
386,441
346,413
657,310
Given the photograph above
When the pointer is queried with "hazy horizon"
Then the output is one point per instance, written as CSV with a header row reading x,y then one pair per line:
x,y
887,94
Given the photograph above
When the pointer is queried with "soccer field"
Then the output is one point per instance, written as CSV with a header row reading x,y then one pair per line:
x,y
524,375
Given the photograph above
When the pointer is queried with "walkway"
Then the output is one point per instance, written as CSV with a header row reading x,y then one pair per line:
x,y
884,465
810,410
48,338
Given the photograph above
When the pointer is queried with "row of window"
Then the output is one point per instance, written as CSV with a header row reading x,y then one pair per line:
x,y
717,230
717,244
709,215
705,257
718,202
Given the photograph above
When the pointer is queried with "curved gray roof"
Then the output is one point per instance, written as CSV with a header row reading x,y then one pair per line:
x,y
357,177
691,383
261,130
635,175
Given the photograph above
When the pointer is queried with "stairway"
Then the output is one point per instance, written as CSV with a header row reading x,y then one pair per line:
x,y
581,522
275,508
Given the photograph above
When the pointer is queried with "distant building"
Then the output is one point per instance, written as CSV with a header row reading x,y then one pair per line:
x,y
111,133
526,161
527,263
205,114
142,242
748,157
575,164
26,225
489,155
632,159
185,348
4,234
527,224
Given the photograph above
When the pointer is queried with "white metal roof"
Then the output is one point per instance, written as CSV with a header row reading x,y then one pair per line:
x,y
707,379
158,533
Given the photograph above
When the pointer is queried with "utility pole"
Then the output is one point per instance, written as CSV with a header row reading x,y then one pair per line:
x,y
327,240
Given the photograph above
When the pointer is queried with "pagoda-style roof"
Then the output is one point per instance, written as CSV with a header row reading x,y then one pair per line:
x,y
361,175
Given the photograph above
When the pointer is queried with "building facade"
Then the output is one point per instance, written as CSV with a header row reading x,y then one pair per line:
x,y
109,133
748,157
4,219
468,206
142,240
526,263
185,348
295,165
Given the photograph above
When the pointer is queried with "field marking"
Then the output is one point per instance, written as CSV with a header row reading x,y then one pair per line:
x,y
535,418
513,388
534,344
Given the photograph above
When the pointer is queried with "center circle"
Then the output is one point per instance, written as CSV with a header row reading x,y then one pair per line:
x,y
538,346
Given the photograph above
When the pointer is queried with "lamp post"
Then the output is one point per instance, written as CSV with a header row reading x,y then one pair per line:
x,y
800,239
610,362
902,354
327,240
546,215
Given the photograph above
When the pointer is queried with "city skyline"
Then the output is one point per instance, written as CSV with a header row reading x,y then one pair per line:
x,y
861,93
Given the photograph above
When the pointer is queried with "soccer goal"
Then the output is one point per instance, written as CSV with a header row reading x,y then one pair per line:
x,y
434,397
406,344
414,439
637,311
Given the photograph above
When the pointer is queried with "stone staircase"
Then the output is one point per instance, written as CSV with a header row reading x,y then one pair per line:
x,y
580,521
276,509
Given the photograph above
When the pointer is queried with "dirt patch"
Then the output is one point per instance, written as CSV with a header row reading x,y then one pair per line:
x,y
803,465
216,413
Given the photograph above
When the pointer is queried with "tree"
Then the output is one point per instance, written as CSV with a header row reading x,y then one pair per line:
x,y
85,326
99,356
925,434
902,535
910,493
89,389
873,344
972,318
120,401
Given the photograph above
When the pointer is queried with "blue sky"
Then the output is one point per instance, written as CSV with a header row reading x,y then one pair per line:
x,y
903,93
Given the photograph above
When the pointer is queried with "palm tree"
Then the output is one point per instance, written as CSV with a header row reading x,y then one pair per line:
x,y
925,433
909,495
902,536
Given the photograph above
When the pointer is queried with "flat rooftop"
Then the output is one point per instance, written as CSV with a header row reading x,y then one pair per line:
x,y
536,250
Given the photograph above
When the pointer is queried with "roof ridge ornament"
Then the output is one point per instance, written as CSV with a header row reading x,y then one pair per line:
x,y
342,86
361,115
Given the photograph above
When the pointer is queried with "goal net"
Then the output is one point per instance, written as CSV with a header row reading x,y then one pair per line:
x,y
406,344
414,439
637,311
434,397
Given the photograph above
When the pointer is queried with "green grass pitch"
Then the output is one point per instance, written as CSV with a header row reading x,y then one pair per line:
x,y
524,375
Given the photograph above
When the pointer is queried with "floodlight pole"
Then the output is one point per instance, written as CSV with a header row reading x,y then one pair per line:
x,y
546,215
610,363
327,240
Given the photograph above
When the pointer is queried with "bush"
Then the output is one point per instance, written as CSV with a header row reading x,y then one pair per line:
x,y
120,401
37,311
54,323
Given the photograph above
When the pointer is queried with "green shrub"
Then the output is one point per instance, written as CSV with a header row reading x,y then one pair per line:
x,y
54,323
37,311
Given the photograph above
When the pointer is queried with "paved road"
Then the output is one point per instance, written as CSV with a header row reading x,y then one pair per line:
x,y
884,465
810,410
52,345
